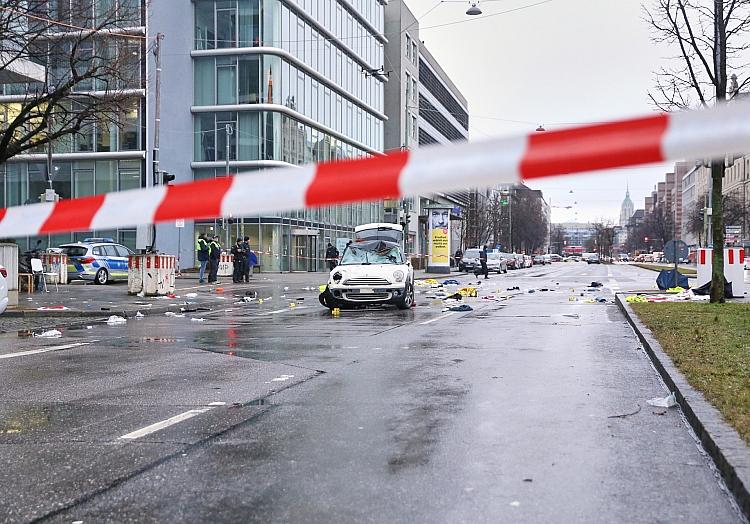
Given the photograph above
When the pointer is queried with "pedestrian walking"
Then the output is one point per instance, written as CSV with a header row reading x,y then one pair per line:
x,y
202,251
239,260
250,259
332,256
213,261
457,257
483,261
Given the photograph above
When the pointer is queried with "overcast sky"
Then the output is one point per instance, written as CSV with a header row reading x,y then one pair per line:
x,y
560,62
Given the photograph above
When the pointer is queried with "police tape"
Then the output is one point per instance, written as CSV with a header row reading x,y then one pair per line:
x,y
430,169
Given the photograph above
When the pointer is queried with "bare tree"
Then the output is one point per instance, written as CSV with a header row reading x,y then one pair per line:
x,y
82,65
529,232
557,239
711,37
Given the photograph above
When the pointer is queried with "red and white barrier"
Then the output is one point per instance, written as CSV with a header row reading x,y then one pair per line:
x,y
656,138
55,267
734,268
226,265
151,274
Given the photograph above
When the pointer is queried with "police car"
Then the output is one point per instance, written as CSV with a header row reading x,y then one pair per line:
x,y
97,259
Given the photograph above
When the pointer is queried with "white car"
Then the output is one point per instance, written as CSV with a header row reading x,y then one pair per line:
x,y
3,289
370,272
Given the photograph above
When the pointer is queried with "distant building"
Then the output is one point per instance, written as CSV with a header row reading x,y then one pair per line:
x,y
626,209
576,234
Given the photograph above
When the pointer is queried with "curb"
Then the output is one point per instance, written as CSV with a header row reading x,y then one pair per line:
x,y
723,444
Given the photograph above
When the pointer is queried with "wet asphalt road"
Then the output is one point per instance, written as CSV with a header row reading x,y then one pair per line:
x,y
268,413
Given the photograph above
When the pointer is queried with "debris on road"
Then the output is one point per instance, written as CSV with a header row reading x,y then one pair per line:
x,y
666,402
191,295
174,315
114,320
138,314
52,333
627,414
514,288
461,307
52,308
451,282
468,291
197,320
596,284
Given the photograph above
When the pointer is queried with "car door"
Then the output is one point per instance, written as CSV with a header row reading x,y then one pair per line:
x,y
118,260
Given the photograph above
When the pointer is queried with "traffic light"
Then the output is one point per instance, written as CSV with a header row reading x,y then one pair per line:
x,y
166,177
645,239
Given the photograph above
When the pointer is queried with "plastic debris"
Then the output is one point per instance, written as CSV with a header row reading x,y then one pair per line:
x,y
667,402
514,288
459,307
114,320
197,320
286,288
430,281
191,295
52,333
451,282
52,308
174,315
219,289
322,288
138,314
636,298
596,284
336,312
171,295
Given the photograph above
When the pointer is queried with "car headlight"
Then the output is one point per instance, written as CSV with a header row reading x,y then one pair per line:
x,y
398,275
337,276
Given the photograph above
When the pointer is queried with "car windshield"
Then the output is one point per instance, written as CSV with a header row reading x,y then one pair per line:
x,y
471,253
75,251
373,252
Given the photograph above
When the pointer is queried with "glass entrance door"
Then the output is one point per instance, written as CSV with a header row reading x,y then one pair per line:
x,y
304,249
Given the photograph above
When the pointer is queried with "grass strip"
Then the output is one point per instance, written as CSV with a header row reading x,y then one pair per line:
x,y
658,267
710,344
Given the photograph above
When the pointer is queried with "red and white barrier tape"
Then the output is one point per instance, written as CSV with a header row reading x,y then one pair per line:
x,y
657,138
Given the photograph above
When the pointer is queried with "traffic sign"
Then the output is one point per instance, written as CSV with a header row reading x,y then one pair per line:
x,y
675,250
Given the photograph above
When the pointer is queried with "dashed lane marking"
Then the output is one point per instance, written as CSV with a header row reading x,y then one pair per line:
x,y
436,319
153,428
46,350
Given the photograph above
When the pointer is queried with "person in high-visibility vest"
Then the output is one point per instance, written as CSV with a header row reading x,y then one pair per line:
x,y
202,251
214,257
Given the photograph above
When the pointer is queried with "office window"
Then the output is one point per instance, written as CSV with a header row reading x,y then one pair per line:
x,y
414,53
408,47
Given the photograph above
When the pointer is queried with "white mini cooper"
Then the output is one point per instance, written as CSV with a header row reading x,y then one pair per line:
x,y
371,272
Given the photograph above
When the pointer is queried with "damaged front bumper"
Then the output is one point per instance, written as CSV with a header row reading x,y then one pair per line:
x,y
364,295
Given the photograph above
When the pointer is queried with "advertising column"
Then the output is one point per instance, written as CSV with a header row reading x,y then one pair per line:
x,y
440,241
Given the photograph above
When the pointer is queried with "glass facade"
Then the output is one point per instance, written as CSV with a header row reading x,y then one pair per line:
x,y
95,169
328,109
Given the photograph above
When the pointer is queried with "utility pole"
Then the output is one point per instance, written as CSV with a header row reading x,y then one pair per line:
x,y
229,131
157,122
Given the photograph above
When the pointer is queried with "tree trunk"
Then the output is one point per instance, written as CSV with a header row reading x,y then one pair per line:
x,y
717,229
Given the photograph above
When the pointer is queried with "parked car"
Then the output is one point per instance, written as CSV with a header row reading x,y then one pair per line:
x,y
528,261
539,260
3,289
547,259
496,262
623,257
370,272
470,261
555,257
593,259
520,263
98,259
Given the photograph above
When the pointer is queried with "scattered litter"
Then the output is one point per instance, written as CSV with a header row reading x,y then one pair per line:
x,y
659,412
282,378
174,315
627,414
601,299
666,402
171,295
573,315
636,298
300,299
468,291
451,282
191,295
489,297
219,290
89,327
514,288
459,307
430,281
515,503
52,308
138,314
336,312
197,320
286,288
52,333
292,305
246,299
677,289
269,298
142,294
528,480
531,291
572,299
596,284
114,320
322,288
543,289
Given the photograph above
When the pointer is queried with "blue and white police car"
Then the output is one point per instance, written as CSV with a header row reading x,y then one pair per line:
x,y
97,259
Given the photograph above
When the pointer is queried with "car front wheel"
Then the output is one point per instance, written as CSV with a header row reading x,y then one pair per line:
x,y
102,277
408,299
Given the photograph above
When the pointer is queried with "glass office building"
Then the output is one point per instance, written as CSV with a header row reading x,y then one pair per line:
x,y
104,156
282,83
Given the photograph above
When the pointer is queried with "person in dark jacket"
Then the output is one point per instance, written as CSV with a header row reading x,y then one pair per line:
x,y
457,257
483,261
239,260
249,255
332,256
213,262
202,250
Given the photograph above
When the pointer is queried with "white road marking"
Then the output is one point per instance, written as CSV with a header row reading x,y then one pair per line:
x,y
282,310
436,319
153,428
46,350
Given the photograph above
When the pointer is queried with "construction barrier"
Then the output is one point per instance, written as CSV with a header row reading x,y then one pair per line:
x,y
9,260
438,168
226,265
734,269
151,275
55,267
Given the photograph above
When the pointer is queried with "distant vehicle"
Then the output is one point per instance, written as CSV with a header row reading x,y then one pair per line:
x,y
3,289
593,259
496,262
623,257
470,261
528,261
520,263
547,259
370,272
555,257
98,259
539,259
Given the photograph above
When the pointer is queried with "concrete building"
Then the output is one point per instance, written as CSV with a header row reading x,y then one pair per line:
x,y
271,84
423,106
576,234
736,180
